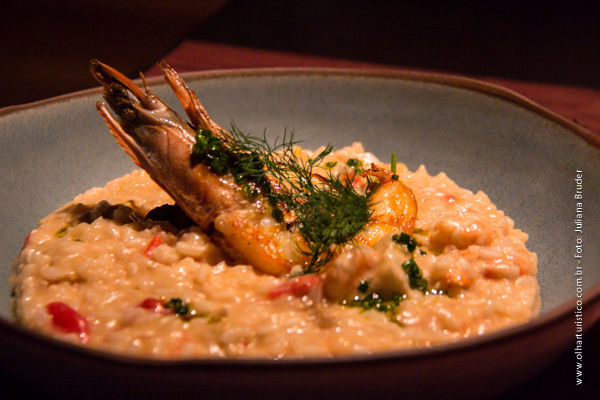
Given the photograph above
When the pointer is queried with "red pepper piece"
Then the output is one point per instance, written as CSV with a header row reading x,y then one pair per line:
x,y
68,320
156,305
298,286
354,179
27,240
154,243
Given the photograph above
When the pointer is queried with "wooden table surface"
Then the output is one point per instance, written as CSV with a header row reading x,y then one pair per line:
x,y
581,105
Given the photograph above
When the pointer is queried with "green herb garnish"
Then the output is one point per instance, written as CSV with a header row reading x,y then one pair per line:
x,y
355,164
210,149
186,311
374,302
405,239
178,306
363,286
394,175
328,214
415,276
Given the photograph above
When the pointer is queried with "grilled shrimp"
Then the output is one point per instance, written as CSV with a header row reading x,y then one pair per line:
x,y
394,207
158,140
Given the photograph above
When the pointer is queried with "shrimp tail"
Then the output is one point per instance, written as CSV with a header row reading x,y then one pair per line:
x,y
118,91
191,105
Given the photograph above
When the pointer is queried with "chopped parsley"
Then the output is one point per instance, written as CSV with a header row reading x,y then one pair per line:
x,y
356,165
374,302
363,286
407,240
415,276
210,149
178,306
186,311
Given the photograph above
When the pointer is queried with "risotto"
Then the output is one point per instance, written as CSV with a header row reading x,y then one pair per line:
x,y
107,271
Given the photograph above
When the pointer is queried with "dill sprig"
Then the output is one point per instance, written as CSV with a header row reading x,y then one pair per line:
x,y
330,217
328,211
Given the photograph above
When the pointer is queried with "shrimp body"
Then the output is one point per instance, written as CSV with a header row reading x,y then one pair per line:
x,y
394,207
161,142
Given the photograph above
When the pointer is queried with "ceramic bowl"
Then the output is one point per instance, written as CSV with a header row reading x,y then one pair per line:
x,y
525,158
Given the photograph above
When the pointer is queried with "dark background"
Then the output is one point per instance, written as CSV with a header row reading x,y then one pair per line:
x,y
45,46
